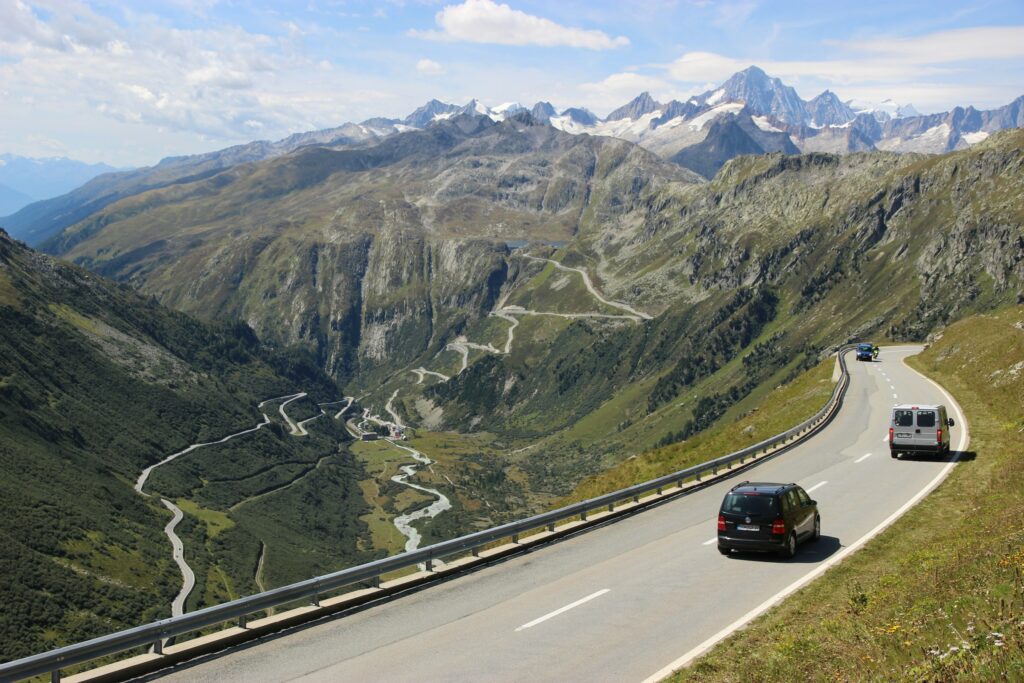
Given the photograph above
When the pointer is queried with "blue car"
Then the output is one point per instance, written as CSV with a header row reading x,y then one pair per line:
x,y
865,352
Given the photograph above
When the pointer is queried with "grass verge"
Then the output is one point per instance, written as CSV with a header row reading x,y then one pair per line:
x,y
780,409
940,594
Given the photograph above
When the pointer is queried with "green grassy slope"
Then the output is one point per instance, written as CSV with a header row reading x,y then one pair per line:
x,y
97,382
940,594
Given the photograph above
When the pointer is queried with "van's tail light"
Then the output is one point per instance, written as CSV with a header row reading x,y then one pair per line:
x,y
721,522
938,436
890,434
779,527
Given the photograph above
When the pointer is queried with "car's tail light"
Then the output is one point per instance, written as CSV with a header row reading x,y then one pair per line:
x,y
721,522
938,436
890,434
779,527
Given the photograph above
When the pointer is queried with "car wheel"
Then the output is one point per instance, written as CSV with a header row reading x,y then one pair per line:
x,y
724,551
895,454
817,528
790,548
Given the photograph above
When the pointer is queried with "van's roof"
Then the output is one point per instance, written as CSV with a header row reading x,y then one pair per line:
x,y
919,406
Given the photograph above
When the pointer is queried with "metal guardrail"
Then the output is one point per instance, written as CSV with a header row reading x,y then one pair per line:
x,y
155,633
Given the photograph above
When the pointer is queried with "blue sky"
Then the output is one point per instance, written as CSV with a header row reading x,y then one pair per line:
x,y
131,82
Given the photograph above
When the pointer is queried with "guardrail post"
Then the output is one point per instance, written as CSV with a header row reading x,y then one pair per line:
x,y
429,564
375,582
158,646
551,527
475,552
611,507
55,676
636,498
316,600
583,516
515,538
679,484
659,490
242,621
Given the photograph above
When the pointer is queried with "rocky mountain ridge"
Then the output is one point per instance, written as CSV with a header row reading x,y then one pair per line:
x,y
757,101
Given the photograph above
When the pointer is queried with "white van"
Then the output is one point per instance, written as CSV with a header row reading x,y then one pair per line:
x,y
919,429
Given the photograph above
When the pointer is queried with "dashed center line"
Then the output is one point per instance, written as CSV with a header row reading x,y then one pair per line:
x,y
817,486
709,542
894,395
885,438
549,615
864,457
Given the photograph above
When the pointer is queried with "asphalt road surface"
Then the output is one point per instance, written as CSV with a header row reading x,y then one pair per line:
x,y
627,601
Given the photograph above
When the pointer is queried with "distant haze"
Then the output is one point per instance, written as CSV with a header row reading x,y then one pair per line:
x,y
23,180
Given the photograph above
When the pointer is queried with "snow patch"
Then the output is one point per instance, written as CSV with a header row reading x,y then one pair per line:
x,y
939,132
763,123
974,138
715,97
567,125
702,120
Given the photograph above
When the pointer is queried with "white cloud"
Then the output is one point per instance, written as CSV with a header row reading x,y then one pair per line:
x,y
484,21
943,47
428,67
930,70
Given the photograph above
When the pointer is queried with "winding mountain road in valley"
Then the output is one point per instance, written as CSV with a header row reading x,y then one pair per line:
x,y
177,546
404,522
632,600
178,553
296,427
421,372
593,290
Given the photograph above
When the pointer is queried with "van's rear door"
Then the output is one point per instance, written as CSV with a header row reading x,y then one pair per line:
x,y
926,426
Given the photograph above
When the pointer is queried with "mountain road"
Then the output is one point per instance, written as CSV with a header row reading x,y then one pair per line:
x,y
630,600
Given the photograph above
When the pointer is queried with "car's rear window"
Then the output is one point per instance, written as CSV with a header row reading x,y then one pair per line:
x,y
904,418
750,504
926,418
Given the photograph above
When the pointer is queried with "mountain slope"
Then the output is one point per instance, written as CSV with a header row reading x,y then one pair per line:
x,y
43,219
409,236
754,275
97,383
385,260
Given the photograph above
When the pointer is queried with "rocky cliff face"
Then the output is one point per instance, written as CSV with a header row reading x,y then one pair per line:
x,y
371,257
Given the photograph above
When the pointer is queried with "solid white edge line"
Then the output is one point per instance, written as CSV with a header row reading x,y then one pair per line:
x,y
560,610
864,457
827,564
817,486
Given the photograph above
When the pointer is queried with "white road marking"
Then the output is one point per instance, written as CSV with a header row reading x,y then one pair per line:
x,y
894,395
817,486
862,458
827,564
713,540
549,615
885,438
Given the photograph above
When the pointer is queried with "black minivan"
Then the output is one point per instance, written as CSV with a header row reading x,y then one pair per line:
x,y
768,518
